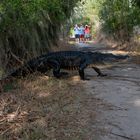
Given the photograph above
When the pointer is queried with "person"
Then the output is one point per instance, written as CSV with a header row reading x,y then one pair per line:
x,y
82,33
87,33
77,33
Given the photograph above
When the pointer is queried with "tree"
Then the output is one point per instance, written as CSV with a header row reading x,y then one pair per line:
x,y
119,17
29,27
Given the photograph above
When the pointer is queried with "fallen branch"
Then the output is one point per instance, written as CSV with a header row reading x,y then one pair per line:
x,y
7,130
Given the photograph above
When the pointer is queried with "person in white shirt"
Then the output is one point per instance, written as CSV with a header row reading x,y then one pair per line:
x,y
77,33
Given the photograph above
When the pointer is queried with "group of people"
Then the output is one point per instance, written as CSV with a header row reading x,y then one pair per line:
x,y
82,34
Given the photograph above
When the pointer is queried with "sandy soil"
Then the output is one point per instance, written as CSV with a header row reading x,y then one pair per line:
x,y
121,91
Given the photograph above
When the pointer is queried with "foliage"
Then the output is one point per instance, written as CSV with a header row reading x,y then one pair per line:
x,y
29,27
84,12
119,17
17,13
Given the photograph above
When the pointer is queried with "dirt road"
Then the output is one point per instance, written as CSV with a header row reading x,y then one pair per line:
x,y
104,108
120,91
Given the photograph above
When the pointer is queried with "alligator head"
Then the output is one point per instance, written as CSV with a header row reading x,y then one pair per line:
x,y
106,57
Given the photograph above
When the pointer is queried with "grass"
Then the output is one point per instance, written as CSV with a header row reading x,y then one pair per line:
x,y
41,104
42,108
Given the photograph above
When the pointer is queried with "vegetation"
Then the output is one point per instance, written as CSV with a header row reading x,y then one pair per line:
x,y
118,18
37,109
28,28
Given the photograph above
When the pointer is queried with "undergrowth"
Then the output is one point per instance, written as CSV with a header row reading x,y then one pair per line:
x,y
43,108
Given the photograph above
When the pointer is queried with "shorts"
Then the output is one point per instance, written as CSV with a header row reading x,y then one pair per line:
x,y
77,35
87,35
81,36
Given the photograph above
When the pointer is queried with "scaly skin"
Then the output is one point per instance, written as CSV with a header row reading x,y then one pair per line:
x,y
66,60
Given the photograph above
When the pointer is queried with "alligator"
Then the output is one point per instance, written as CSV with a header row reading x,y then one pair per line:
x,y
70,60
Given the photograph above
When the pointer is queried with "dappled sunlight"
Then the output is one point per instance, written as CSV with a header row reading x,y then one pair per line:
x,y
137,103
75,78
116,52
121,52
34,84
107,65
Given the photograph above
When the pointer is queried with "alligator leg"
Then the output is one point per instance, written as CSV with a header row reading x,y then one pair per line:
x,y
82,75
43,68
81,71
99,72
56,68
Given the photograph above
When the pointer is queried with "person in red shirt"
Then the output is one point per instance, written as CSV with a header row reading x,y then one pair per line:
x,y
87,33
